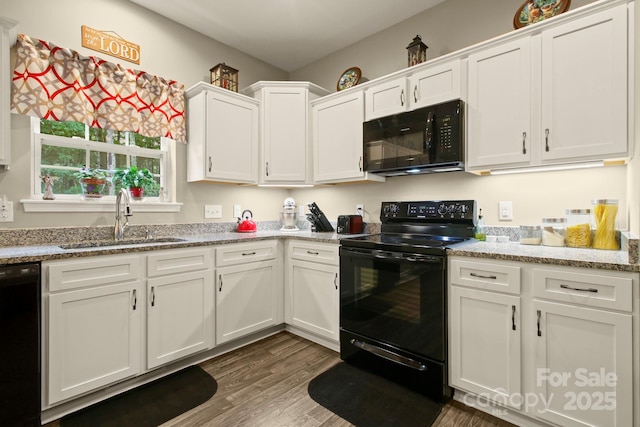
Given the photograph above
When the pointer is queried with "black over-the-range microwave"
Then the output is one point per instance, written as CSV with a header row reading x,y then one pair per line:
x,y
426,140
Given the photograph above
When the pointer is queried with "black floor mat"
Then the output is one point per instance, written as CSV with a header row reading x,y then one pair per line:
x,y
149,405
367,400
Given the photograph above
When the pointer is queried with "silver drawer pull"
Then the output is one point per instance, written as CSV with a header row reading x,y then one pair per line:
x,y
483,277
313,253
594,290
248,253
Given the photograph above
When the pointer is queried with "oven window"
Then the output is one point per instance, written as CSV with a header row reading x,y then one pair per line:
x,y
398,302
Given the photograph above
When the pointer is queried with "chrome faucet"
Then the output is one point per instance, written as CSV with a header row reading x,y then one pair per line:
x,y
118,231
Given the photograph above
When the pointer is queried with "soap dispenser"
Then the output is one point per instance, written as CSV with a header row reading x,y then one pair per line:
x,y
479,230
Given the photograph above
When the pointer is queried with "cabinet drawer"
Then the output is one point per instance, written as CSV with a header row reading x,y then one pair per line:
x,y
240,253
179,261
314,252
94,271
592,288
492,276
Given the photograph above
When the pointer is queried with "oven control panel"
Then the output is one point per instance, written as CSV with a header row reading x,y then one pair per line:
x,y
436,210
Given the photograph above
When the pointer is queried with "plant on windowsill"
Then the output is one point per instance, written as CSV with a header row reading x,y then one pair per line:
x,y
92,181
136,180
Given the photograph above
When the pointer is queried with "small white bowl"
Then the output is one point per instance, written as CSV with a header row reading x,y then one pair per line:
x,y
491,239
503,239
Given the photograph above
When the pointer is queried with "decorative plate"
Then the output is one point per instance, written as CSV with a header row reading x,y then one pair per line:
x,y
349,78
533,11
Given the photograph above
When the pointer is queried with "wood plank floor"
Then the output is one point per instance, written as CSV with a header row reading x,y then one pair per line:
x,y
265,384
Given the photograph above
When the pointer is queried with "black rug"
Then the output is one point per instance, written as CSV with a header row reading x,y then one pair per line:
x,y
151,404
367,400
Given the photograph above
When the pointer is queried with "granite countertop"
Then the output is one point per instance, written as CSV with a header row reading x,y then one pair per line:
x,y
573,257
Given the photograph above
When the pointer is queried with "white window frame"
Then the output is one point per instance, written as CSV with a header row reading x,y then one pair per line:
x,y
75,202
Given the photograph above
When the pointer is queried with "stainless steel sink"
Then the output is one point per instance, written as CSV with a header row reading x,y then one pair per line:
x,y
126,242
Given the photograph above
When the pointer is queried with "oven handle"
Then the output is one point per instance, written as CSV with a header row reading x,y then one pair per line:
x,y
390,255
389,355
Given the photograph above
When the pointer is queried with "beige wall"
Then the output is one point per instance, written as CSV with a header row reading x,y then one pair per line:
x,y
171,50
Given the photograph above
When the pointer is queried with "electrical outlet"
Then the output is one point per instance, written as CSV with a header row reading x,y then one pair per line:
x,y
6,212
213,211
237,211
505,211
360,209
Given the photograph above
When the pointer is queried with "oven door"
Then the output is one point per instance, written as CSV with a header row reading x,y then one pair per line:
x,y
394,298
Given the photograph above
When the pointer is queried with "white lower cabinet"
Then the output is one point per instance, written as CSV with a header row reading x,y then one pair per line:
x,y
248,289
559,350
92,333
312,289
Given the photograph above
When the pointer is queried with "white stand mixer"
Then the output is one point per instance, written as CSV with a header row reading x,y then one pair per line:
x,y
289,216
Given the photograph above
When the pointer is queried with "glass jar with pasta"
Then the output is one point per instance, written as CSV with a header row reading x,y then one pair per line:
x,y
605,212
578,228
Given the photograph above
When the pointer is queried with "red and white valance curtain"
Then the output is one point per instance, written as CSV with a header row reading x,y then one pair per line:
x,y
54,83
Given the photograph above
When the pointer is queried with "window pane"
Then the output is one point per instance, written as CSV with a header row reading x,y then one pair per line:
x,y
67,129
146,163
145,141
107,161
61,156
65,184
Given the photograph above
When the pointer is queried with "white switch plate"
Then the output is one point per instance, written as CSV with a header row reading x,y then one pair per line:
x,y
237,211
213,211
6,212
505,211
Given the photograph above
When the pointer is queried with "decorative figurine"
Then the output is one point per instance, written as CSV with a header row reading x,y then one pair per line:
x,y
48,182
417,51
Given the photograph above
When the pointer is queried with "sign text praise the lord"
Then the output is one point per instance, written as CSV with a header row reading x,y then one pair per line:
x,y
110,44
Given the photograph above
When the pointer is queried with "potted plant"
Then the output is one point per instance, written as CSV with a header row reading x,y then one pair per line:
x,y
135,180
92,181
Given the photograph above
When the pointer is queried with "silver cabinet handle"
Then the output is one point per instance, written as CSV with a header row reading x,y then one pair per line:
x,y
267,168
594,290
335,281
402,97
483,277
135,299
210,163
313,253
538,315
248,253
546,140
513,317
524,139
153,296
220,280
415,93
360,164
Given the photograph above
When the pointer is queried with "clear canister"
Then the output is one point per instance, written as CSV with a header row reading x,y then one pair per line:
x,y
554,231
578,228
605,212
530,235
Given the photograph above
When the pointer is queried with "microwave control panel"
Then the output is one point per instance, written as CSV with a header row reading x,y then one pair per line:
x,y
429,210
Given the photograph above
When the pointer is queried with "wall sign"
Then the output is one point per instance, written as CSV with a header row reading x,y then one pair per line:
x,y
110,44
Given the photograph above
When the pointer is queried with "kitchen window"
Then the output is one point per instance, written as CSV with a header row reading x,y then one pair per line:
x,y
61,148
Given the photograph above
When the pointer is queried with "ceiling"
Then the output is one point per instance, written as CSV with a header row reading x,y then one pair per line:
x,y
288,34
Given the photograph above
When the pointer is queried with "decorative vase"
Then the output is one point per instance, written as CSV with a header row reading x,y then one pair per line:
x,y
92,187
136,192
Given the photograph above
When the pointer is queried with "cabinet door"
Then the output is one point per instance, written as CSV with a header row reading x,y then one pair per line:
x,y
93,338
435,85
179,316
337,131
231,139
484,344
584,87
313,298
7,38
583,365
386,98
285,147
499,105
247,300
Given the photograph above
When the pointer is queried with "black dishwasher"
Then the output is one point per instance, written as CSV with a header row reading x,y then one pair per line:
x,y
20,345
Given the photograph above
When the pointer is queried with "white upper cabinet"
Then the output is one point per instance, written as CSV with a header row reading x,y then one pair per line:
x,y
337,138
499,105
285,147
416,87
223,135
557,96
7,38
584,87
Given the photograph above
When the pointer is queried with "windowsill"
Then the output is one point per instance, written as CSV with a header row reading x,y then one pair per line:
x,y
100,205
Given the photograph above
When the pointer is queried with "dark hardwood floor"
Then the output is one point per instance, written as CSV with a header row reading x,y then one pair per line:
x,y
265,384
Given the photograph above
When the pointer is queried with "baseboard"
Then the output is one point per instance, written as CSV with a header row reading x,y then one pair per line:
x,y
496,410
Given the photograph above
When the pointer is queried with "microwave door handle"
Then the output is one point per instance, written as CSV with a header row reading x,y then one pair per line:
x,y
429,143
